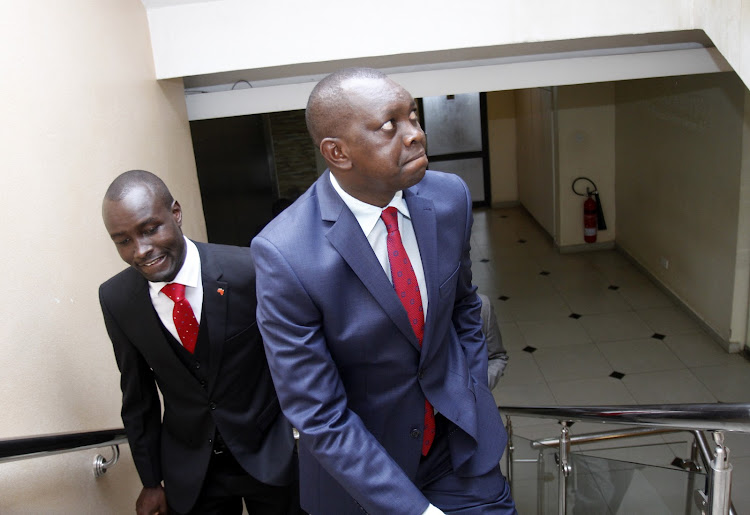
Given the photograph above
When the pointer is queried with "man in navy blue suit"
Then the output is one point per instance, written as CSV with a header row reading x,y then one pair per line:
x,y
370,320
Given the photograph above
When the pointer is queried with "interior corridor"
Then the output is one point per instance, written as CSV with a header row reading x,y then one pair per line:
x,y
590,329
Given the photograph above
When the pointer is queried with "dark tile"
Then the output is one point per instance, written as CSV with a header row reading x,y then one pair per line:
x,y
503,216
484,260
529,349
544,272
575,316
658,336
503,297
613,287
617,375
521,241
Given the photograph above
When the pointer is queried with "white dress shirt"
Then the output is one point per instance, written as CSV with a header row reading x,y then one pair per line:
x,y
368,217
190,276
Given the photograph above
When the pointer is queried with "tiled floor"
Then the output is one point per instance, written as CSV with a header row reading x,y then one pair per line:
x,y
589,328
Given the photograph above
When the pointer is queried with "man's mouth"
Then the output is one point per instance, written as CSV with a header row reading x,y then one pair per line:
x,y
153,262
415,157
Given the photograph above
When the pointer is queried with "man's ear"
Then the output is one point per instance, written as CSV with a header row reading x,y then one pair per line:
x,y
177,212
335,152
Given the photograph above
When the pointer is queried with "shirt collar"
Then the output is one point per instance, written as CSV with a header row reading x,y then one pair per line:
x,y
189,274
366,214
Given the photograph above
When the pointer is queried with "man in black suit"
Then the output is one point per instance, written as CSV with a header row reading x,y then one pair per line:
x,y
182,317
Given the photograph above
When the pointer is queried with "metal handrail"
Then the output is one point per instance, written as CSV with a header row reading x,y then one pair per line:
x,y
702,417
15,449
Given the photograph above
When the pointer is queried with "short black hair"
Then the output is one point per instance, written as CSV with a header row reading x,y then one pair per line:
x,y
325,107
133,179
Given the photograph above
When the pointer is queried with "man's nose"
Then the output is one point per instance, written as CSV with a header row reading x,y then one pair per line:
x,y
414,133
143,247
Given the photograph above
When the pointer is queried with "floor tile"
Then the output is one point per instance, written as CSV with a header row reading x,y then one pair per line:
x,y
645,355
554,333
698,349
572,362
728,383
669,387
669,320
616,327
591,392
595,301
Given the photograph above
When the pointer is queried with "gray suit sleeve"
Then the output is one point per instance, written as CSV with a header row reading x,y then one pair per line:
x,y
498,357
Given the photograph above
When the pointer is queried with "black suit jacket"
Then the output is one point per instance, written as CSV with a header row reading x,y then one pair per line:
x,y
237,396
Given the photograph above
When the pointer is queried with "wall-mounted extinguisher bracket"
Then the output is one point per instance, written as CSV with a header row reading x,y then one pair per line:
x,y
593,215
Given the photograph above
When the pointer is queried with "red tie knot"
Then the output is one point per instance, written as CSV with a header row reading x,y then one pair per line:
x,y
174,291
390,218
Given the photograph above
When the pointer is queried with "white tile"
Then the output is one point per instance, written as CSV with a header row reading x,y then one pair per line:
x,y
605,391
595,301
644,295
644,355
554,333
740,479
546,307
698,349
616,327
532,394
728,383
513,339
669,321
522,369
669,387
572,362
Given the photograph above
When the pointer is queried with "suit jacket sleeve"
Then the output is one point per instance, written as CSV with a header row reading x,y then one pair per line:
x,y
141,408
467,306
312,395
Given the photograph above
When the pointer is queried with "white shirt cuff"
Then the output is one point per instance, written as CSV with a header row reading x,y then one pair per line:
x,y
432,510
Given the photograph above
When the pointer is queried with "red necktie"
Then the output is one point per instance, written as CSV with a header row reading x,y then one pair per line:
x,y
407,289
183,316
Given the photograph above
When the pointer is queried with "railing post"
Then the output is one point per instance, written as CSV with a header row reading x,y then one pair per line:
x,y
540,487
720,485
509,453
563,469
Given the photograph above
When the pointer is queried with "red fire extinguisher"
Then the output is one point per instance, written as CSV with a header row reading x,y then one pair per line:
x,y
589,219
593,215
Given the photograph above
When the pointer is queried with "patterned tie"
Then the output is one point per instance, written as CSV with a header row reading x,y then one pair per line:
x,y
183,316
407,289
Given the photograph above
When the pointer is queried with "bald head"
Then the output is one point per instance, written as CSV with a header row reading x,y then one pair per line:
x,y
138,179
327,106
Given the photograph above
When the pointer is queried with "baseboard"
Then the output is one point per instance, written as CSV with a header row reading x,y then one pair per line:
x,y
729,346
586,247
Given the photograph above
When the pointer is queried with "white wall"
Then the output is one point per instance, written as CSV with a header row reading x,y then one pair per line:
x,y
501,133
80,106
585,147
679,151
534,154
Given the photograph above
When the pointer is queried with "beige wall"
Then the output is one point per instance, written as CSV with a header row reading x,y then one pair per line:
x,y
585,147
679,153
534,154
501,128
80,105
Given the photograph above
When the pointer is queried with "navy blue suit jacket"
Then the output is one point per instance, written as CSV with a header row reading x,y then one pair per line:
x,y
348,369
237,396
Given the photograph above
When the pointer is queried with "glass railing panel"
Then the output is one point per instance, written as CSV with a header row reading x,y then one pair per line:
x,y
601,485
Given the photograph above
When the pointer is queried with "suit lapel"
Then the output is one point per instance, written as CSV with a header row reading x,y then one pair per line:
x,y
214,308
348,239
423,220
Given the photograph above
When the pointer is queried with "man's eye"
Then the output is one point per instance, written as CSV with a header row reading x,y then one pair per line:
x,y
122,242
151,230
387,125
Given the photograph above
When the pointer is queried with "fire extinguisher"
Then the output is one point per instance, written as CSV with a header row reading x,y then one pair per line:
x,y
593,215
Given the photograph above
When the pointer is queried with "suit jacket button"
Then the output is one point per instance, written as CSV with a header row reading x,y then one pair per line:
x,y
415,433
197,364
212,405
